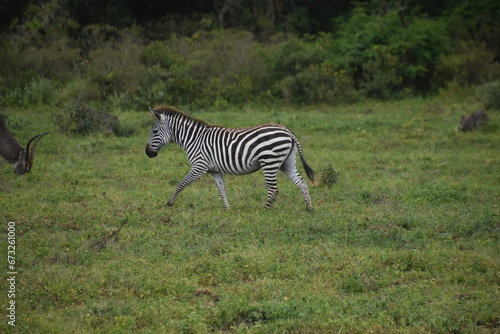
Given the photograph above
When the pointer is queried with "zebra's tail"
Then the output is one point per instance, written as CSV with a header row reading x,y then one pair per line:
x,y
307,168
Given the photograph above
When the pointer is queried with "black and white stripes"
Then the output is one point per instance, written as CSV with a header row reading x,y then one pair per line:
x,y
217,150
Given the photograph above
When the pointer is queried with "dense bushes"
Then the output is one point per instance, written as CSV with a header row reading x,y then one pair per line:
x,y
297,72
207,68
470,64
48,59
384,57
40,46
113,66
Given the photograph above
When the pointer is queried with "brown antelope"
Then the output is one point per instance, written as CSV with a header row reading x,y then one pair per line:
x,y
474,121
20,158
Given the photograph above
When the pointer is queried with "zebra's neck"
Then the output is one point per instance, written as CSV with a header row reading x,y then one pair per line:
x,y
186,130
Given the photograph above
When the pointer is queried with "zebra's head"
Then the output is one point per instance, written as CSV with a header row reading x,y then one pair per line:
x,y
159,134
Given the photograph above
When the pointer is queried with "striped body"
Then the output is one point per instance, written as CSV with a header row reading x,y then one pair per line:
x,y
217,150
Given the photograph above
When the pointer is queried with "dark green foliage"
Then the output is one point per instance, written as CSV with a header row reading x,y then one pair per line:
x,y
471,63
297,72
384,57
114,61
39,46
476,20
246,54
116,13
39,91
204,69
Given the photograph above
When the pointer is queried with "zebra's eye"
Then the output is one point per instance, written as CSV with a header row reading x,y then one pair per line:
x,y
155,132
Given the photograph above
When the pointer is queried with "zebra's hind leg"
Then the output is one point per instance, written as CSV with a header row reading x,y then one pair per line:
x,y
219,181
272,186
290,169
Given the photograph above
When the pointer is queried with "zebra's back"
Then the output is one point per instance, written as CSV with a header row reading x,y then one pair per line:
x,y
245,150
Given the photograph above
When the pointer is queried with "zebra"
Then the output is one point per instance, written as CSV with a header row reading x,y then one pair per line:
x,y
217,150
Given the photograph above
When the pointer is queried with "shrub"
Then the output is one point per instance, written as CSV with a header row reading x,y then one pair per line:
x,y
470,64
81,118
371,54
39,91
383,57
291,57
205,68
73,91
177,86
297,72
489,94
123,130
116,67
329,176
13,98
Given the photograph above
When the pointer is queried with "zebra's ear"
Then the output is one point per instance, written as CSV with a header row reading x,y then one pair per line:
x,y
155,113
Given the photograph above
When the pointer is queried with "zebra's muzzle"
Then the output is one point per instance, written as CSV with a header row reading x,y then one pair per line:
x,y
150,152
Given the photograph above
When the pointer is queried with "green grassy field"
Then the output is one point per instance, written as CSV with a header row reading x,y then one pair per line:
x,y
404,238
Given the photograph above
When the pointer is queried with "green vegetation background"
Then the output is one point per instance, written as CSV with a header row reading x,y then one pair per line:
x,y
405,236
236,53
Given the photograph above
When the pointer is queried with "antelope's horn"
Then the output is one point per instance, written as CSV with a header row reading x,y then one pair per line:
x,y
31,153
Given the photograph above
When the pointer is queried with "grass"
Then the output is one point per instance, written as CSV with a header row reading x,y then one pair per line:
x,y
404,239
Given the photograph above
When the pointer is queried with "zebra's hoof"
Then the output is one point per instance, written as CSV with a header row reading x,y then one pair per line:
x,y
310,210
170,203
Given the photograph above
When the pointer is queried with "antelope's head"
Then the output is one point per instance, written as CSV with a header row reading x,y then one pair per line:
x,y
21,158
26,156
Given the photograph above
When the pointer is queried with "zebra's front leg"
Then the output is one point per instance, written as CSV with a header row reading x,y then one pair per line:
x,y
219,181
190,178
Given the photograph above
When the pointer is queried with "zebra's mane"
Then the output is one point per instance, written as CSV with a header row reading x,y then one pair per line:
x,y
171,111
